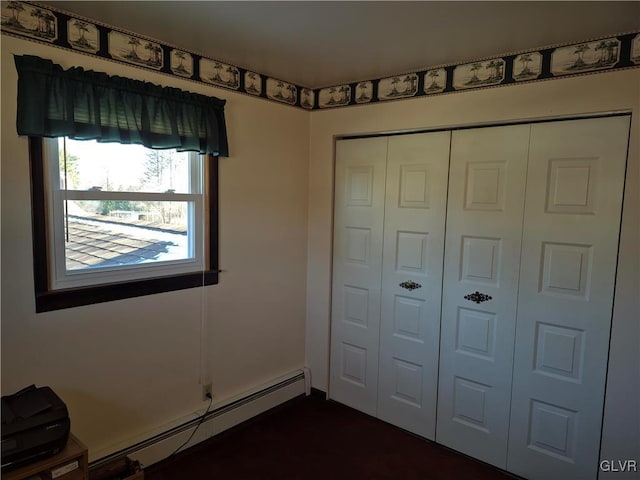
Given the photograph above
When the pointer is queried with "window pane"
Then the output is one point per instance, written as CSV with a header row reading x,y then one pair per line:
x,y
117,167
118,232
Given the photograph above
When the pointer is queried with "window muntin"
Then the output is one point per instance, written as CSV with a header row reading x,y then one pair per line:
x,y
128,212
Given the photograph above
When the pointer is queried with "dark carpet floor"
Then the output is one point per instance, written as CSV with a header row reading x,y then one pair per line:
x,y
311,438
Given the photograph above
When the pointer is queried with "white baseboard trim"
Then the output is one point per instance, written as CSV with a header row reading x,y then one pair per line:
x,y
221,417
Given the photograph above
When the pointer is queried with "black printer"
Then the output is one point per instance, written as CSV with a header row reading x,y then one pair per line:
x,y
35,425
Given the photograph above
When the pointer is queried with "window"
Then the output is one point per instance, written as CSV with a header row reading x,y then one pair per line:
x,y
118,233
116,221
120,212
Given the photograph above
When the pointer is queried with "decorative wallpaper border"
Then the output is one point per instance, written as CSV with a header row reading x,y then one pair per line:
x,y
48,25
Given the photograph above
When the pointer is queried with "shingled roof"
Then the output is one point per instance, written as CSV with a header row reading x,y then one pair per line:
x,y
106,243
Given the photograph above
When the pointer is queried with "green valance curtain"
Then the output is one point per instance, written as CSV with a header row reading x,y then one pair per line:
x,y
83,104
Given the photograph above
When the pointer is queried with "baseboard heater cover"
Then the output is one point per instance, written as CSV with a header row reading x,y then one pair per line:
x,y
152,450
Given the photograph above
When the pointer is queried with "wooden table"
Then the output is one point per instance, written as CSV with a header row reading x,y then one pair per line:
x,y
74,451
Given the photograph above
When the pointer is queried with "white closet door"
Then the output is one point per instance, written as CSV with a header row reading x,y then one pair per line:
x,y
572,221
482,257
416,196
357,269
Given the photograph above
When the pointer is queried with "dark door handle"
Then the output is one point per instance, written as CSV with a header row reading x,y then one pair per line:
x,y
410,285
477,297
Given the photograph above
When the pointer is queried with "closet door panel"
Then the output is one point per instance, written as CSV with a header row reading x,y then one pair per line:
x,y
357,268
570,244
415,208
481,269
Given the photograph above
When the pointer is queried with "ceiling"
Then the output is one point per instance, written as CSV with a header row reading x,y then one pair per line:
x,y
318,44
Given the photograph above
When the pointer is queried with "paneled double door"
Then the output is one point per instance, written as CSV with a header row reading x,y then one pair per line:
x,y
473,276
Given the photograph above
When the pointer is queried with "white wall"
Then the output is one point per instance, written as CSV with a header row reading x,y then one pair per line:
x,y
571,96
127,367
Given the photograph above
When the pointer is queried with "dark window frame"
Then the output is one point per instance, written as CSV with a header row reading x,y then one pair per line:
x,y
47,299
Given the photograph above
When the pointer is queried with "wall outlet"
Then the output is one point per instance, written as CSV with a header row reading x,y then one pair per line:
x,y
206,390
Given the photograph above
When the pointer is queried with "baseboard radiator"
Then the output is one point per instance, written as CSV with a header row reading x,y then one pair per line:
x,y
219,419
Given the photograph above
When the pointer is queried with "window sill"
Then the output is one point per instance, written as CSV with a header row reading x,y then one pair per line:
x,y
75,297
